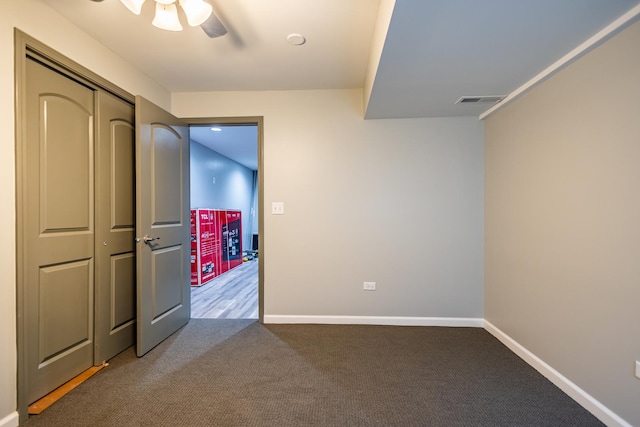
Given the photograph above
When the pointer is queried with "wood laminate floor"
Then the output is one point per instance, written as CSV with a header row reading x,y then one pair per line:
x,y
232,295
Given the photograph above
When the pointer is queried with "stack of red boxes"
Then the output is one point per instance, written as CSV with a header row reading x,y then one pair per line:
x,y
216,243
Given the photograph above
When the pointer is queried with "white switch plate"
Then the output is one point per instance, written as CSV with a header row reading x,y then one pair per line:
x,y
277,208
637,368
369,286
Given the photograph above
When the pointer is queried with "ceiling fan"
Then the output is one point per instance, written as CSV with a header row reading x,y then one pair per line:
x,y
198,13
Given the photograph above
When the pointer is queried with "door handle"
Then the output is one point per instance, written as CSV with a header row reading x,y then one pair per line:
x,y
146,239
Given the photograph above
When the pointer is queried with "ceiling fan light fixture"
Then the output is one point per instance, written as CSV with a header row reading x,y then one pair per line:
x,y
167,17
134,6
197,11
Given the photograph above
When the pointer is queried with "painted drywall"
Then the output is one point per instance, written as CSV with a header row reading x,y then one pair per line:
x,y
46,25
398,202
562,166
217,182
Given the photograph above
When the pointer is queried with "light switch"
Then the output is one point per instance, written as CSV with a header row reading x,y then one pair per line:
x,y
277,208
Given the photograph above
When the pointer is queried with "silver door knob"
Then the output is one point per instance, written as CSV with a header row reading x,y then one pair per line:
x,y
146,238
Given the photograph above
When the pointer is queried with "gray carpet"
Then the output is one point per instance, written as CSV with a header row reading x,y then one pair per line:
x,y
217,372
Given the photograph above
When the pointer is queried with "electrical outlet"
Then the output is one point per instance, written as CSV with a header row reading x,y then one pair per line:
x,y
637,368
369,286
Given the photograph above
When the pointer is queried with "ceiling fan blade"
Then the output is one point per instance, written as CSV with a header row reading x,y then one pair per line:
x,y
213,27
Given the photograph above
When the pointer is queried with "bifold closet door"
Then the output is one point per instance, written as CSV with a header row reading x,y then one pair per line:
x,y
57,174
115,226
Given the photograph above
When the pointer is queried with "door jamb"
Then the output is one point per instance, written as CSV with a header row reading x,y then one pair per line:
x,y
259,121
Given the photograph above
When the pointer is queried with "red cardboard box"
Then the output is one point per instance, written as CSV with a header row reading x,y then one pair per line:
x,y
216,243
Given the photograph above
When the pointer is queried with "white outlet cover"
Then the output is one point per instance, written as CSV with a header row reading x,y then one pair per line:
x,y
637,368
369,286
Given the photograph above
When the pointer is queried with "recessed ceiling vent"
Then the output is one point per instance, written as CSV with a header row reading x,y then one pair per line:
x,y
479,99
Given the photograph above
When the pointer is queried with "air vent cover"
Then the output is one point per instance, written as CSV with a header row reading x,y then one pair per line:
x,y
479,99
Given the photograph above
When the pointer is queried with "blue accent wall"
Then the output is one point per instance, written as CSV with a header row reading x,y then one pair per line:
x,y
217,182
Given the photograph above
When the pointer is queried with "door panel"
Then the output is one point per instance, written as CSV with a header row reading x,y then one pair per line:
x,y
166,190
67,128
169,297
58,229
162,213
122,292
65,292
115,227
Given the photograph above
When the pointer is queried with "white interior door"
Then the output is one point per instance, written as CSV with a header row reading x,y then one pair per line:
x,y
162,224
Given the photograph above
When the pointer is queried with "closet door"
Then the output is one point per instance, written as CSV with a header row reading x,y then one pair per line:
x,y
57,173
115,227
163,225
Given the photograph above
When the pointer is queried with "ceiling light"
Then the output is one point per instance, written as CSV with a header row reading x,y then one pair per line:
x,y
166,17
134,6
197,11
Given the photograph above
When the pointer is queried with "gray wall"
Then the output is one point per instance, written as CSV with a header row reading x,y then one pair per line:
x,y
562,213
399,202
233,188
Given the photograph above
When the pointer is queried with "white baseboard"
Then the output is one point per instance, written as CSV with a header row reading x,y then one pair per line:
x,y
376,320
587,401
11,420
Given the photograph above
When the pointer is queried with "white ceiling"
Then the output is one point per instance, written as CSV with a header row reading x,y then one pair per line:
x,y
254,55
435,51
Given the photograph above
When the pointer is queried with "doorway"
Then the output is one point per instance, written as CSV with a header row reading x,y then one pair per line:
x,y
225,180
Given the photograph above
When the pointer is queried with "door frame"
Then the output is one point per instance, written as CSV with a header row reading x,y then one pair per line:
x,y
244,121
27,46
